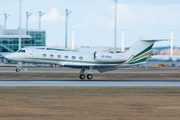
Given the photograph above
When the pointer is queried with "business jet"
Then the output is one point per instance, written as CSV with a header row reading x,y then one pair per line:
x,y
101,61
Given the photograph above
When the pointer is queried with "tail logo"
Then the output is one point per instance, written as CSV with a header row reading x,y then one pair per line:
x,y
140,57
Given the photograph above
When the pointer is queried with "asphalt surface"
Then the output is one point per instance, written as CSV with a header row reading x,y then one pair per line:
x,y
88,71
91,83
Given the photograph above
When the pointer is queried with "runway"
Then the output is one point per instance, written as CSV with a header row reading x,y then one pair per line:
x,y
92,83
88,71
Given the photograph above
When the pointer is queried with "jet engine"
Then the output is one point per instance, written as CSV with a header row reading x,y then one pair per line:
x,y
107,57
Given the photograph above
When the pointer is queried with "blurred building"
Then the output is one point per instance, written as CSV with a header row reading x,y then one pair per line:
x,y
9,39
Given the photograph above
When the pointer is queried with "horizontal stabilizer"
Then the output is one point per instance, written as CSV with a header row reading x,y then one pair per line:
x,y
153,40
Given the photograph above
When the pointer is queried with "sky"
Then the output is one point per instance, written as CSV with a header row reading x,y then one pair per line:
x,y
93,20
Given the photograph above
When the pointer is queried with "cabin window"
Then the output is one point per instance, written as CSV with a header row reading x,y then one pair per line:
x,y
73,57
44,55
80,57
59,56
51,55
66,57
23,51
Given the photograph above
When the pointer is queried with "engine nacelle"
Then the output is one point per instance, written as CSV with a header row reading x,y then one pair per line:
x,y
107,57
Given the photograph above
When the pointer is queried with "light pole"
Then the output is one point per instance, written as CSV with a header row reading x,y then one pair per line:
x,y
115,26
122,50
20,24
67,13
40,15
73,38
171,41
27,18
5,19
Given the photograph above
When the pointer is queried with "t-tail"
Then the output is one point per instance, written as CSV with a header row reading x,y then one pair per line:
x,y
139,52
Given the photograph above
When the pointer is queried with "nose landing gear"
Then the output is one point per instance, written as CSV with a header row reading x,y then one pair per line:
x,y
17,69
18,66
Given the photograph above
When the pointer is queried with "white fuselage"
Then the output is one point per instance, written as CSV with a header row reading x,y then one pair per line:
x,y
66,57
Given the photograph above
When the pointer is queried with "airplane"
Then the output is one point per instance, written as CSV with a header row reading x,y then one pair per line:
x,y
101,61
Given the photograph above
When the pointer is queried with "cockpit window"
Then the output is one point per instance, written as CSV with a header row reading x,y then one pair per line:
x,y
21,51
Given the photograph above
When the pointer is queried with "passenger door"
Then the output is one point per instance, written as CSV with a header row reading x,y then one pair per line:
x,y
35,55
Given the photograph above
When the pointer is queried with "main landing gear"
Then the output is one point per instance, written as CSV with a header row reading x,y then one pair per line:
x,y
18,66
89,76
82,76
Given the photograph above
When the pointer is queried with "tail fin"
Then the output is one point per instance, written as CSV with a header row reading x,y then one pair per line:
x,y
139,52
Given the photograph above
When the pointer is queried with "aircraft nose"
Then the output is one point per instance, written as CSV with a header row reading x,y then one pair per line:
x,y
8,56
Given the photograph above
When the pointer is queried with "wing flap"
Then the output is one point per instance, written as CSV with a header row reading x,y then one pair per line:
x,y
106,69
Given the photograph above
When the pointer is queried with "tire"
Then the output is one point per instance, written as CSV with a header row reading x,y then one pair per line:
x,y
17,69
82,76
89,76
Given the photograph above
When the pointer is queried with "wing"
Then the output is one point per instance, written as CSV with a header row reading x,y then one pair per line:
x,y
100,67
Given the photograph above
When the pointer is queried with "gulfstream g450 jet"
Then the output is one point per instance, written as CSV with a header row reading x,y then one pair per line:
x,y
102,61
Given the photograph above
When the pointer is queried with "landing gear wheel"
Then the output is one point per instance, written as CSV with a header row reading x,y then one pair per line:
x,y
89,76
17,69
82,76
